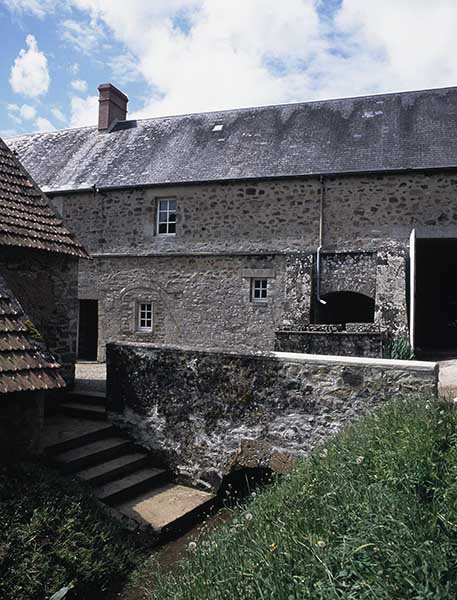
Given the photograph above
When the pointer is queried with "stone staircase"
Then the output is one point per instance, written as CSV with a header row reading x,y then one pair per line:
x,y
82,443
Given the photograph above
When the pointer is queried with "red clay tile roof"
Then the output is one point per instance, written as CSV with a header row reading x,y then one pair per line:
x,y
26,218
25,364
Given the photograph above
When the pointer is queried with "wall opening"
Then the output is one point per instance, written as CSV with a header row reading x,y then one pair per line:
x,y
344,307
88,330
242,482
436,294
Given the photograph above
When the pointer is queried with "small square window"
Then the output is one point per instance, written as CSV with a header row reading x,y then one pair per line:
x,y
144,317
166,216
259,290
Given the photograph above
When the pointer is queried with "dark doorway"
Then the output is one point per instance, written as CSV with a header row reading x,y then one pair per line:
x,y
345,307
88,330
436,294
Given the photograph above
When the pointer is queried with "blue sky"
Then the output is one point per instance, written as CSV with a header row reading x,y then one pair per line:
x,y
178,56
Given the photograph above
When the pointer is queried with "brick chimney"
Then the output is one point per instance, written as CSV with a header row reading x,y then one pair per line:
x,y
112,106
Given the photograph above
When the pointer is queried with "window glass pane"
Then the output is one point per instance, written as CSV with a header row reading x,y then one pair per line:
x,y
259,290
166,217
145,316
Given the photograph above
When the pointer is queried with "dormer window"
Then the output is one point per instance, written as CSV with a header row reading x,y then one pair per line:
x,y
166,216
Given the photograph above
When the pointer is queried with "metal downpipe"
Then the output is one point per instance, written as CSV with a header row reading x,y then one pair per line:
x,y
319,248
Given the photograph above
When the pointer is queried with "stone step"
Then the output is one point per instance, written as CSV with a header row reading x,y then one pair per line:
x,y
72,434
93,453
79,409
96,398
140,481
113,469
168,508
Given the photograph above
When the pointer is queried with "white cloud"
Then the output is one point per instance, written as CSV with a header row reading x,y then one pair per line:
x,y
209,54
84,111
58,114
79,85
29,73
21,113
39,8
27,112
85,36
406,44
124,68
43,124
196,55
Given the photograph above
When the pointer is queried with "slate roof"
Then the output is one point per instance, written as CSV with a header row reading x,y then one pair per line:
x,y
390,132
26,218
25,364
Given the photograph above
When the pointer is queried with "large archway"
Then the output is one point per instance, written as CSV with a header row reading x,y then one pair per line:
x,y
436,295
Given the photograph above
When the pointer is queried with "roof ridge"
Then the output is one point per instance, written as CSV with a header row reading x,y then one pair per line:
x,y
246,108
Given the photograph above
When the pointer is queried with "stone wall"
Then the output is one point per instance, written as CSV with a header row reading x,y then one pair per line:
x,y
199,301
361,213
21,425
45,284
195,277
205,301
349,272
207,413
340,343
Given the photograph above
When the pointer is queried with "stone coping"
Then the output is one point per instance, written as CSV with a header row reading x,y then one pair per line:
x,y
318,359
342,333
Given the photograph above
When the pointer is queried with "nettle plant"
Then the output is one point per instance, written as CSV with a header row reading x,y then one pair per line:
x,y
398,347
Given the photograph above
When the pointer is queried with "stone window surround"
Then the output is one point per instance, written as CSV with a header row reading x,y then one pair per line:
x,y
259,290
168,212
253,275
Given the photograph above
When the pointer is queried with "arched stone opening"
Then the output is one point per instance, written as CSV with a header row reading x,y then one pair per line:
x,y
345,307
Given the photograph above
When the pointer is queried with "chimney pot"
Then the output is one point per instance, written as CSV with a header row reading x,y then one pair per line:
x,y
112,106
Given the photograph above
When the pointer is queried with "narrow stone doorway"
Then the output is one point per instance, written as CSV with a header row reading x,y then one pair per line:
x,y
436,295
88,330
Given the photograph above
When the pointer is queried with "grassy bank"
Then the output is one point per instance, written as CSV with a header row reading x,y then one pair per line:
x,y
53,534
373,516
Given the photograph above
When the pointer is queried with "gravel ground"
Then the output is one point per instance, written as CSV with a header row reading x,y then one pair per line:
x,y
91,376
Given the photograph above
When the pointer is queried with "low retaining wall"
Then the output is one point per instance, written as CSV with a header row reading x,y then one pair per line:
x,y
341,343
210,412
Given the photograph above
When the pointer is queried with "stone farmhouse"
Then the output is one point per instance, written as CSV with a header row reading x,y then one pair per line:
x,y
38,306
321,226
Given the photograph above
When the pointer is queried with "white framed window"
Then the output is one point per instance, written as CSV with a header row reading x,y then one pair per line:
x,y
144,318
166,216
259,290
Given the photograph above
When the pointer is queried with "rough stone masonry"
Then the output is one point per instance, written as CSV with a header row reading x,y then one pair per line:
x,y
207,413
255,193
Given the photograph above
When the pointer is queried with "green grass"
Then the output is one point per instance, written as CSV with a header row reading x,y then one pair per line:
x,y
373,516
52,534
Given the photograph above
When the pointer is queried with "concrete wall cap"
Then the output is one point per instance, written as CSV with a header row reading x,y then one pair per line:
x,y
318,359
